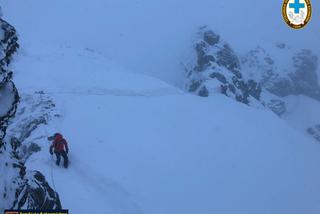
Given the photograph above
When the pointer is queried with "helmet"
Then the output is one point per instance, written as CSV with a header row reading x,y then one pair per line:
x,y
58,136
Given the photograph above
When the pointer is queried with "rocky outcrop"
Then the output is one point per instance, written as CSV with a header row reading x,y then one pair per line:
x,y
9,99
35,193
270,75
283,73
9,96
34,111
24,189
298,77
217,70
19,188
304,77
315,132
277,106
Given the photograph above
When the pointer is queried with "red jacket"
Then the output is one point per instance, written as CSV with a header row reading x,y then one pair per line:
x,y
59,144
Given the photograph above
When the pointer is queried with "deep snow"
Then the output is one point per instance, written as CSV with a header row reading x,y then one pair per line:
x,y
139,145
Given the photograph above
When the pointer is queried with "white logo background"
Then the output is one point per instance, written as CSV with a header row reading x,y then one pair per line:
x,y
297,18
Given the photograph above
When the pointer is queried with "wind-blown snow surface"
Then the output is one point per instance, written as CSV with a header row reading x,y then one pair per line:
x,y
138,145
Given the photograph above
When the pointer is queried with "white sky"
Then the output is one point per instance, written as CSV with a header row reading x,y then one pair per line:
x,y
152,36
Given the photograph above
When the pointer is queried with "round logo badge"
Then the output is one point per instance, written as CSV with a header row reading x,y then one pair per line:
x,y
297,13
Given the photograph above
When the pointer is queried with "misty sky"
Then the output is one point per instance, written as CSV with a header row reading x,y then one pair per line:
x,y
154,36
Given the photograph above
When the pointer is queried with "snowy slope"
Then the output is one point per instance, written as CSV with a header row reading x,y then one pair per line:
x,y
67,70
302,112
139,145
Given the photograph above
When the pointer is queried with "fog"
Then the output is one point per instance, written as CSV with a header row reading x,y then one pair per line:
x,y
154,36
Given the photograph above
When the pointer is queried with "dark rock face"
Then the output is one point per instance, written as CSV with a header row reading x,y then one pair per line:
x,y
9,43
9,96
305,77
19,188
35,193
315,132
218,70
282,87
211,38
277,106
228,59
9,99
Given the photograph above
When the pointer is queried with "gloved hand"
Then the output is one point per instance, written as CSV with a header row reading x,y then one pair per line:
x,y
51,152
67,151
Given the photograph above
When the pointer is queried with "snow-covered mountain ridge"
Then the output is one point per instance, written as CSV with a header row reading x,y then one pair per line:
x,y
140,145
288,76
256,77
218,70
286,71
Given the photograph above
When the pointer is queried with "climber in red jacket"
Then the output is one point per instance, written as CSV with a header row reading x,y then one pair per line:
x,y
60,148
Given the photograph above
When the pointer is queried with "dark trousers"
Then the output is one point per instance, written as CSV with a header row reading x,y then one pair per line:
x,y
65,158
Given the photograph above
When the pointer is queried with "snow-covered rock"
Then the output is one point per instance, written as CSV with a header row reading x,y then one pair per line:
x,y
34,111
8,103
286,72
288,76
19,187
277,106
217,70
8,94
315,132
35,193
